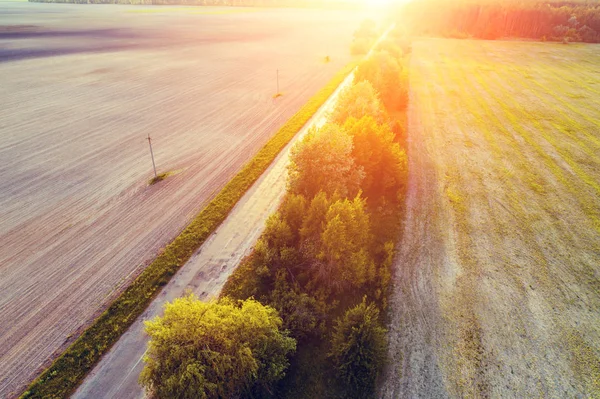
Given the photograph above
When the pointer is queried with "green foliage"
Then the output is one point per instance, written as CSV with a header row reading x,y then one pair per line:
x,y
325,247
344,259
382,159
252,278
323,162
69,369
277,234
358,347
214,349
303,315
293,209
313,224
356,101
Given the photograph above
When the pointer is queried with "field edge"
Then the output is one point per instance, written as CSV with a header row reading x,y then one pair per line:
x,y
67,371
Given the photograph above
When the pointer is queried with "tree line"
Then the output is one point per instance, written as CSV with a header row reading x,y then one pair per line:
x,y
301,316
226,3
539,20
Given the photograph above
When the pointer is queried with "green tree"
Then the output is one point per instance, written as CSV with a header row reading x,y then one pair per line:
x,y
277,233
293,209
302,314
382,159
356,101
214,349
313,224
344,259
323,162
358,346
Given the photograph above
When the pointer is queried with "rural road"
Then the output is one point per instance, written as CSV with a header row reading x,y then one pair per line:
x,y
413,368
116,376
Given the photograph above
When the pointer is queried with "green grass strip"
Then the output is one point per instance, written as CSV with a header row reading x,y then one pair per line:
x,y
71,367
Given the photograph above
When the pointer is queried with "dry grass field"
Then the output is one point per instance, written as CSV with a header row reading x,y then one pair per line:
x,y
497,289
80,89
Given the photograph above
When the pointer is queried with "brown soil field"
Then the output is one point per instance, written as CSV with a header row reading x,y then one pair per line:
x,y
497,282
81,88
117,374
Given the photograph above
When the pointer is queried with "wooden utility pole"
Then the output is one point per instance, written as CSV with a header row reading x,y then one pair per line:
x,y
152,155
277,82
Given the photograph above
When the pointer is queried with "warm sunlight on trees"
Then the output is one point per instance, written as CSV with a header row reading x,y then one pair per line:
x,y
383,70
383,160
545,20
214,349
356,101
331,242
323,161
358,349
293,210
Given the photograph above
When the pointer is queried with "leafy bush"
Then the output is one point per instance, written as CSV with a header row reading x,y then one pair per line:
x,y
358,346
356,101
323,161
384,73
344,260
214,349
380,156
303,315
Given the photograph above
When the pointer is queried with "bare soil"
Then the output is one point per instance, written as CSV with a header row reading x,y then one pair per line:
x,y
497,283
117,374
81,88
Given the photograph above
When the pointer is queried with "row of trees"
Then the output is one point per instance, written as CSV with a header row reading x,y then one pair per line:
x,y
575,21
337,4
324,259
318,277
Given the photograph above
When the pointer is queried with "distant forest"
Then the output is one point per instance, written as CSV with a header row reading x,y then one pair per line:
x,y
560,21
228,3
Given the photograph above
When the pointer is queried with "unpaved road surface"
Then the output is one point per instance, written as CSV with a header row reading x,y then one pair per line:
x,y
80,89
116,376
497,279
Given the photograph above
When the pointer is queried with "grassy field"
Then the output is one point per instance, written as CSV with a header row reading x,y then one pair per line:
x,y
498,288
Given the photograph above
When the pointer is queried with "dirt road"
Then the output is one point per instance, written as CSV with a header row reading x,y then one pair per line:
x,y
116,376
497,284
81,88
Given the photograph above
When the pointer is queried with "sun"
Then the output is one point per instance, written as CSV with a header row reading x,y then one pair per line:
x,y
379,3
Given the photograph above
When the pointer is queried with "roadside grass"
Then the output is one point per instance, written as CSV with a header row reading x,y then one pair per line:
x,y
71,367
162,176
541,140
